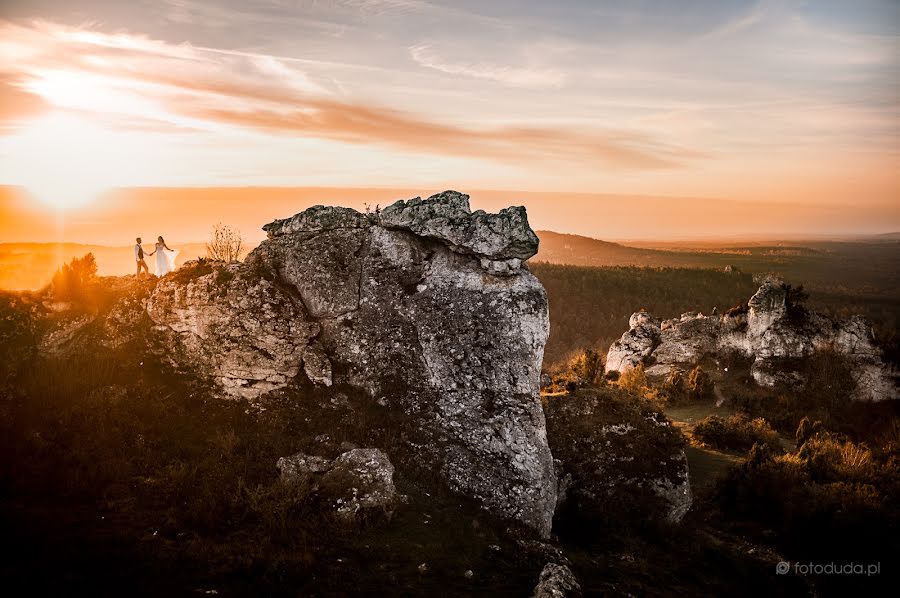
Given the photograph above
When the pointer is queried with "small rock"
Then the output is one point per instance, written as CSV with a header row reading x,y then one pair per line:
x,y
557,581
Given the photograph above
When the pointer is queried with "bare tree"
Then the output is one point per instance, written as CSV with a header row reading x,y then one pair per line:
x,y
225,243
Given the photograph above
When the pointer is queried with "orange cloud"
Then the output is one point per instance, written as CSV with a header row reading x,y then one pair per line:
x,y
184,85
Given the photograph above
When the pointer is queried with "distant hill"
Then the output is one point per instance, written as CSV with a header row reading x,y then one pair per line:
x,y
559,248
830,267
886,237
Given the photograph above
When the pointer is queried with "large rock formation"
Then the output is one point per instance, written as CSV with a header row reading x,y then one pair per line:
x,y
769,330
425,307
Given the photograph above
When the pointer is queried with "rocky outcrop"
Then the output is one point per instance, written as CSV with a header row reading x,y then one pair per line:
x,y
358,485
557,581
246,333
769,330
635,345
425,307
618,457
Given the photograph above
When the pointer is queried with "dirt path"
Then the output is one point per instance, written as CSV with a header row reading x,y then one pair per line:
x,y
706,465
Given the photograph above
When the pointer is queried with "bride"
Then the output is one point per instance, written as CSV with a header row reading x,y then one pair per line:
x,y
165,257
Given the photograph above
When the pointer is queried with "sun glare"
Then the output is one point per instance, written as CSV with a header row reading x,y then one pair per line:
x,y
66,160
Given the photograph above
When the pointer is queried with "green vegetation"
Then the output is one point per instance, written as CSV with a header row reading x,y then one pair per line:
x,y
735,433
832,500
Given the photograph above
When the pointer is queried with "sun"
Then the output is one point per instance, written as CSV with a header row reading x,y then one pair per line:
x,y
66,160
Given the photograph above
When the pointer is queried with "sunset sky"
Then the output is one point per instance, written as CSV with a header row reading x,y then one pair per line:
x,y
784,114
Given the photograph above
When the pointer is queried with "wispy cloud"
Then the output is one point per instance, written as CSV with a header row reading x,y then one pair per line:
x,y
424,55
188,86
735,25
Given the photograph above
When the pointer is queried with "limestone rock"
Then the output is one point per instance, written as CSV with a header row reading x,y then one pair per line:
x,y
316,364
446,216
363,479
317,219
424,307
766,332
557,581
63,332
297,466
243,331
635,345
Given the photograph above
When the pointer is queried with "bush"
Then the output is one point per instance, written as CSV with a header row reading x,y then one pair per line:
x,y
75,281
612,449
634,381
585,368
795,302
832,499
806,429
826,395
735,433
225,243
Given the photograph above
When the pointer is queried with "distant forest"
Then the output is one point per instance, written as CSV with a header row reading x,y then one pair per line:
x,y
590,307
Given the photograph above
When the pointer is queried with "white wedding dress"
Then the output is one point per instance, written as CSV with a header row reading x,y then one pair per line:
x,y
165,260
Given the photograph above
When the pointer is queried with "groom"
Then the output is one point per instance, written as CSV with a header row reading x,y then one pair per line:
x,y
139,258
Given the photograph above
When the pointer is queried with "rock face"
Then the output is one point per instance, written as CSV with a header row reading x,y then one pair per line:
x,y
766,331
635,345
245,332
618,457
425,307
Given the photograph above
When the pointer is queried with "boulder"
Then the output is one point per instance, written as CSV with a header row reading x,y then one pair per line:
x,y
361,481
296,467
425,307
557,581
358,485
446,217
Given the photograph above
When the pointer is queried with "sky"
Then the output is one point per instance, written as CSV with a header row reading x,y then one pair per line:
x,y
784,115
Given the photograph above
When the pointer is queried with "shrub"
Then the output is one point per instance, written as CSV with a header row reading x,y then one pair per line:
x,y
795,301
826,396
634,381
75,281
806,429
831,498
736,433
585,368
612,449
225,243
589,367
